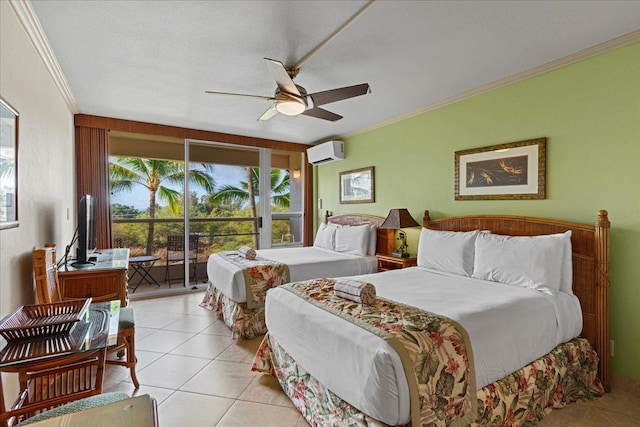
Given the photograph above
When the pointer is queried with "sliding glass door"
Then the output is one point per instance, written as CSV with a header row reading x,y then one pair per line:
x,y
223,197
229,215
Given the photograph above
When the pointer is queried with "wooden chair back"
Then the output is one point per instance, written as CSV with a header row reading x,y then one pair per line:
x,y
45,272
48,383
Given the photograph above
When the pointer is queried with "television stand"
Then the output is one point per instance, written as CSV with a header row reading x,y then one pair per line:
x,y
104,280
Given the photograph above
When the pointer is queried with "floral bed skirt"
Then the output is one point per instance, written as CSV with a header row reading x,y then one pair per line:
x,y
566,375
244,322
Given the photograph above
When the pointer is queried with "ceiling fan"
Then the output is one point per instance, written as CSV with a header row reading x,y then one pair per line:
x,y
291,99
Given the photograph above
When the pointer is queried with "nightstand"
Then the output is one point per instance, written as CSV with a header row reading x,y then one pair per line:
x,y
387,262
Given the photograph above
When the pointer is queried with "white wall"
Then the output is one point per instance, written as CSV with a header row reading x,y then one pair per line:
x,y
46,162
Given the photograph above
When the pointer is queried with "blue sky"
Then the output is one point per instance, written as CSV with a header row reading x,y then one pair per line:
x,y
139,196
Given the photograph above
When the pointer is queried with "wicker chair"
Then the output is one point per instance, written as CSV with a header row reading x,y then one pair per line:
x,y
46,278
175,255
47,384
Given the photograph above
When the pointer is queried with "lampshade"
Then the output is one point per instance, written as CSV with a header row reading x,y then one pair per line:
x,y
399,218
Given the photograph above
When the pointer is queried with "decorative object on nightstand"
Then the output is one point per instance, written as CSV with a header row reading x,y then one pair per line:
x,y
397,219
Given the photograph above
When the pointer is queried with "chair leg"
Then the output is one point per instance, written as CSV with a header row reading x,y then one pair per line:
x,y
132,359
195,271
167,275
126,344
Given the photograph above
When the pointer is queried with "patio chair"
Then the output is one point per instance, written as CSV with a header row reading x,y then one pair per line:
x,y
175,255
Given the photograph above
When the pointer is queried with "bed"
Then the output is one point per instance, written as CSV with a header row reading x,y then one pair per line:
x,y
390,384
228,276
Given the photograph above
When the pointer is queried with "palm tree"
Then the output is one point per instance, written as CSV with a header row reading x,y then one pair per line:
x,y
248,191
127,172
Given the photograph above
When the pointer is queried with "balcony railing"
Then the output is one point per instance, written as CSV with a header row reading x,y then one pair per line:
x,y
214,234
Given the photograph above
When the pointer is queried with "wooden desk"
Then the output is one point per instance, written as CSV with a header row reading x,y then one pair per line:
x,y
106,280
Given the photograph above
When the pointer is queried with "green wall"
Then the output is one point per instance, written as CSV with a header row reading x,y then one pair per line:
x,y
590,114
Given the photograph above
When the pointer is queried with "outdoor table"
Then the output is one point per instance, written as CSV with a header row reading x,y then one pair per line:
x,y
142,267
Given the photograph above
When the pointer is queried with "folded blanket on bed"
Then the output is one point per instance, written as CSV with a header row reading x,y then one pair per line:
x,y
355,290
260,275
247,252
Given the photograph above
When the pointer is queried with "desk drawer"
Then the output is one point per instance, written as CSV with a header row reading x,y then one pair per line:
x,y
101,287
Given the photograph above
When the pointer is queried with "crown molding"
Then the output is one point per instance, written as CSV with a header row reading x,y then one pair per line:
x,y
31,25
587,53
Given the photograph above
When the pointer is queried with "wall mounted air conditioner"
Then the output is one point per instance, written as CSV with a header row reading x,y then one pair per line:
x,y
326,152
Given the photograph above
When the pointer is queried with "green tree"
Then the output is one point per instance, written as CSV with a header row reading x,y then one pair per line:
x,y
155,175
247,192
123,211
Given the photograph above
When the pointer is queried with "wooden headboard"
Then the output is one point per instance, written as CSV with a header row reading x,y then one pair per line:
x,y
590,245
384,240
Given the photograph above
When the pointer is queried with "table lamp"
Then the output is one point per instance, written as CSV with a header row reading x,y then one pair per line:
x,y
397,219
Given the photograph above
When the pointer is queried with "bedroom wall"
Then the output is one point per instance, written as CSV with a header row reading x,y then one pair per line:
x,y
590,114
45,161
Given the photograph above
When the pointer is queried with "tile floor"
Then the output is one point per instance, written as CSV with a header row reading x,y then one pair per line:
x,y
201,377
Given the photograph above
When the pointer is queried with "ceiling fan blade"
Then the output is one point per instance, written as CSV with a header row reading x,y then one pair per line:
x,y
321,113
333,95
269,113
282,78
268,98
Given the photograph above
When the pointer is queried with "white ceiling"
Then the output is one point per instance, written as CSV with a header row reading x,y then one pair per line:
x,y
153,60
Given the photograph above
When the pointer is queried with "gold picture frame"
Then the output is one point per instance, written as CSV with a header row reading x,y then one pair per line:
x,y
8,165
513,171
357,186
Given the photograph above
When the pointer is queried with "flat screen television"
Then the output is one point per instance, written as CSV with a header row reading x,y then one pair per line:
x,y
86,231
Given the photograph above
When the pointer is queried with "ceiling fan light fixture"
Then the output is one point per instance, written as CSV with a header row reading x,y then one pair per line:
x,y
290,107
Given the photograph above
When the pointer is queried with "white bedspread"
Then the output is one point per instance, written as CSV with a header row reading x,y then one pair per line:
x,y
304,263
509,327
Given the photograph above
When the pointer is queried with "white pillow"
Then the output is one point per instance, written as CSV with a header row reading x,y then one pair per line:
x,y
352,239
450,251
527,261
325,236
373,238
566,280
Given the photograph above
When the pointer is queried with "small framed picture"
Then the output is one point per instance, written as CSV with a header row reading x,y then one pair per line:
x,y
8,166
513,171
357,186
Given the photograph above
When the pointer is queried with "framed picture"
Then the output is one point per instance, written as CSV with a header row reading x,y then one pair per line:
x,y
357,186
8,166
513,171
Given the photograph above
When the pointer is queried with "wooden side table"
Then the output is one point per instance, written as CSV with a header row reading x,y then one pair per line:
x,y
142,267
74,362
387,262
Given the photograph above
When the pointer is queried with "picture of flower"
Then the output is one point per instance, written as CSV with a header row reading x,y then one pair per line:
x,y
511,171
505,171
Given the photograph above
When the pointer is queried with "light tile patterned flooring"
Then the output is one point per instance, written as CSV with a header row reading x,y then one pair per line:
x,y
201,377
